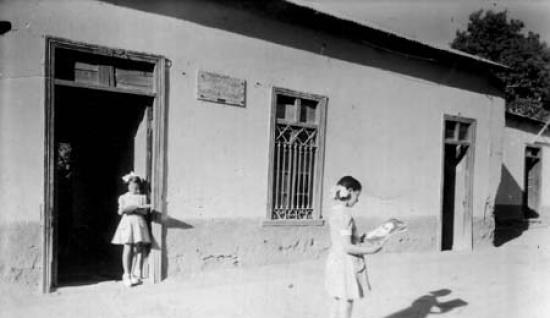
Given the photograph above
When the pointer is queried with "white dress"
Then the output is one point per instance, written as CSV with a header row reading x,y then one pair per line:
x,y
132,227
345,274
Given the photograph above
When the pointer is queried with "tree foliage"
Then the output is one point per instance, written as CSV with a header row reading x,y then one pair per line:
x,y
493,36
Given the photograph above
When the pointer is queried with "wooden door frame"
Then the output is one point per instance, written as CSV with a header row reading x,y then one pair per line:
x,y
158,160
470,167
524,199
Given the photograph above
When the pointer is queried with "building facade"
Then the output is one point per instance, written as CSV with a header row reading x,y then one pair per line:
x,y
242,116
523,190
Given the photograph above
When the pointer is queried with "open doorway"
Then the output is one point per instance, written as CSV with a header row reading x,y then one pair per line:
x,y
456,214
100,136
105,117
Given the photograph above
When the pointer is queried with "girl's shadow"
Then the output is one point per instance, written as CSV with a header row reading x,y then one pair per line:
x,y
428,304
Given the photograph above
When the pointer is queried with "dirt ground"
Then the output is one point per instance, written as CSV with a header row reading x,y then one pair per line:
x,y
509,281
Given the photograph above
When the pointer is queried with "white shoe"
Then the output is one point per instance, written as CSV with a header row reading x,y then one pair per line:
x,y
127,280
135,280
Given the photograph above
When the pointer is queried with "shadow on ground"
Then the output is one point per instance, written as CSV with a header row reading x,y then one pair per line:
x,y
429,304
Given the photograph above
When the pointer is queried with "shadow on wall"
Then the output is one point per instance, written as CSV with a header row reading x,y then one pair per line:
x,y
322,34
429,304
509,211
169,224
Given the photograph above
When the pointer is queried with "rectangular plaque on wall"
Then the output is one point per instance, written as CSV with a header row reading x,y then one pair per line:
x,y
219,88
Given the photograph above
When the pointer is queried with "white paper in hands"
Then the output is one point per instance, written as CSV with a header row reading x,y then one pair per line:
x,y
137,209
385,230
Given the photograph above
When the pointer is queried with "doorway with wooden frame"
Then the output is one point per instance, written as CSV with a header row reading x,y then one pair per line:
x,y
457,188
105,117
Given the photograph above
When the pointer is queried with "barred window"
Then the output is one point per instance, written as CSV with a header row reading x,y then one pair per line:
x,y
296,155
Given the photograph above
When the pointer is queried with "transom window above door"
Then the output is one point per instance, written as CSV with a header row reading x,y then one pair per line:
x,y
83,69
457,131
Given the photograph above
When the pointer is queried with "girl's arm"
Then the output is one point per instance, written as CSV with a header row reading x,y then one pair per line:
x,y
365,248
142,209
353,249
130,209
125,209
120,206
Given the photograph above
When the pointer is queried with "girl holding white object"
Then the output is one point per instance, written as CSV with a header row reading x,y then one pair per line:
x,y
346,273
132,231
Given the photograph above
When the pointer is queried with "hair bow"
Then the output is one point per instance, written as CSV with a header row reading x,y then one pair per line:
x,y
129,176
339,191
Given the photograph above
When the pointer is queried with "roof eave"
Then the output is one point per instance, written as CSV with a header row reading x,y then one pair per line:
x,y
446,53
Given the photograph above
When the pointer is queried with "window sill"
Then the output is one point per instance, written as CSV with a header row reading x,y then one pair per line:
x,y
293,223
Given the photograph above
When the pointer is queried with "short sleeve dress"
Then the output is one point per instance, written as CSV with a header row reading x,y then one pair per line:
x,y
345,274
132,227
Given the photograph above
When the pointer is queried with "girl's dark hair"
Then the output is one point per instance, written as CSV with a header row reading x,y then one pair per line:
x,y
136,179
349,183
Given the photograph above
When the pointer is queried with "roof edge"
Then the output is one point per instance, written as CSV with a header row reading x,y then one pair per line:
x,y
318,9
524,117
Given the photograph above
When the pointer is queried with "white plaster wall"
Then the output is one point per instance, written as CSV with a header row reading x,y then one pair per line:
x,y
518,135
545,181
21,129
383,127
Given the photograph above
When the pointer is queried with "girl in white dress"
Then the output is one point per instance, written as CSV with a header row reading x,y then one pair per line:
x,y
132,231
346,273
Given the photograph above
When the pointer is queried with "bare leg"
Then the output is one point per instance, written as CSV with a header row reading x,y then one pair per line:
x,y
139,260
345,308
127,254
334,308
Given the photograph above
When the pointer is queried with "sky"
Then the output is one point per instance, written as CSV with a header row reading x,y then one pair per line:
x,y
437,21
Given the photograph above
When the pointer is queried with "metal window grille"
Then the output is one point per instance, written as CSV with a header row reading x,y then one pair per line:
x,y
294,170
296,155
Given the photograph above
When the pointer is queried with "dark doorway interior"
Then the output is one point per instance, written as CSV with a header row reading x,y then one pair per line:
x,y
457,185
449,186
95,138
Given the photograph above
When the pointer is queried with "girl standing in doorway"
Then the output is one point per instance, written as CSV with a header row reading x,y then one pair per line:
x,y
132,231
346,273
